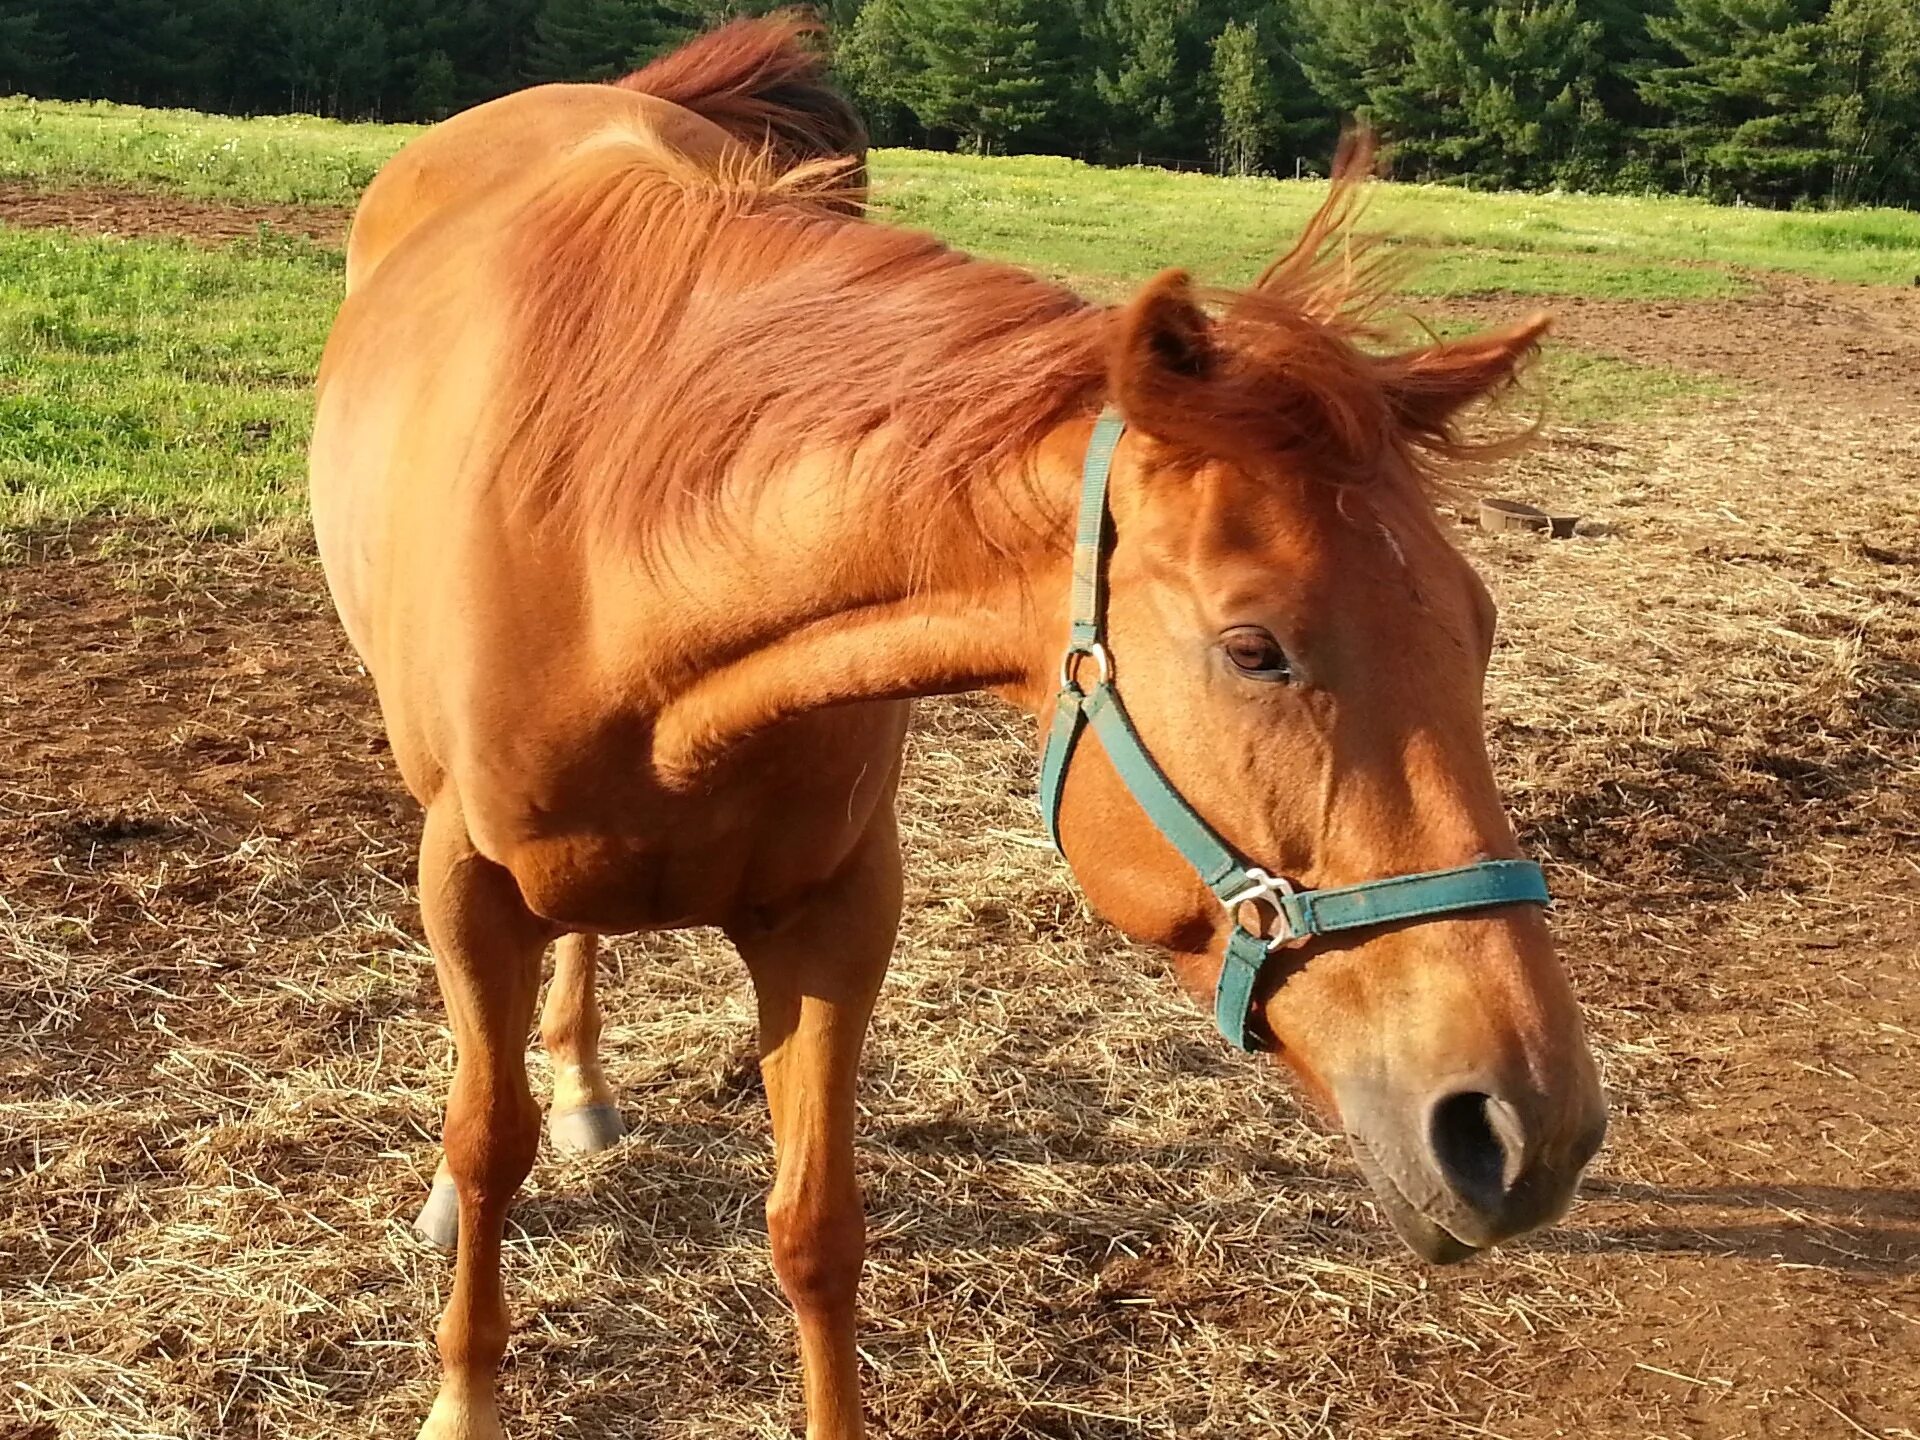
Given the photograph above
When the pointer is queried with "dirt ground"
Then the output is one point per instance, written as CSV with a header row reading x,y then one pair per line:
x,y
221,1053
102,210
1809,342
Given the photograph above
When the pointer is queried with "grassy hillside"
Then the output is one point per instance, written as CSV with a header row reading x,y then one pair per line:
x,y
156,379
1062,216
291,159
1083,221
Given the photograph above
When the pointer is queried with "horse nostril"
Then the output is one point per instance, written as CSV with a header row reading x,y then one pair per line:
x,y
1480,1146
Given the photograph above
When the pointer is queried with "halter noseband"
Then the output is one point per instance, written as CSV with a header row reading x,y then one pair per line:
x,y
1295,913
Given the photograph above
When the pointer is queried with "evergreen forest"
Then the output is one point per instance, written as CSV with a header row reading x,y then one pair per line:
x,y
1763,102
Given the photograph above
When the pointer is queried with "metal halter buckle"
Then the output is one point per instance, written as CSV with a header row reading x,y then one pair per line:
x,y
1093,650
1268,891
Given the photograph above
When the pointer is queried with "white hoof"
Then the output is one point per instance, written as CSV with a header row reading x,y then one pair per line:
x,y
586,1129
452,1419
439,1222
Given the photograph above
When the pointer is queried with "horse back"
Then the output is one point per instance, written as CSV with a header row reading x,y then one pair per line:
x,y
502,144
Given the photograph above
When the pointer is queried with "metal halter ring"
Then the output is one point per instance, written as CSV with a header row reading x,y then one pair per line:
x,y
1268,891
1069,670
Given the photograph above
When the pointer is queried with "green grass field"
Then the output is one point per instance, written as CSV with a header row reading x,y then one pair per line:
x,y
1088,225
1061,215
156,379
153,379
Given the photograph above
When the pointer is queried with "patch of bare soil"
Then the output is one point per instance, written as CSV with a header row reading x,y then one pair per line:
x,y
221,1054
104,210
1808,342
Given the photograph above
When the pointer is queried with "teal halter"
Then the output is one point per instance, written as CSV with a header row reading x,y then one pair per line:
x,y
1295,914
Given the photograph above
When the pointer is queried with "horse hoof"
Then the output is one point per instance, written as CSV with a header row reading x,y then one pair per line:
x,y
439,1222
453,1419
585,1130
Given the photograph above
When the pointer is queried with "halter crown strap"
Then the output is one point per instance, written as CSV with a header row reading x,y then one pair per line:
x,y
1294,914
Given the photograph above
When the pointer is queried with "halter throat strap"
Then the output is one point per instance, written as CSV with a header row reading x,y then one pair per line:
x,y
1291,914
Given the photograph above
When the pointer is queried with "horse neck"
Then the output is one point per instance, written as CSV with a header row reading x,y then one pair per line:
x,y
870,607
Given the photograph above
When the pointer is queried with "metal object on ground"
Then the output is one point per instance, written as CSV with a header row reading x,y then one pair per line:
x,y
1516,516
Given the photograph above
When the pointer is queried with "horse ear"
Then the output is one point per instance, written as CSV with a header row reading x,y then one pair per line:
x,y
1434,384
1163,352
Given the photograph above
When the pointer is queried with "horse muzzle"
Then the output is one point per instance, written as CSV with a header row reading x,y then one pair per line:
x,y
1462,1168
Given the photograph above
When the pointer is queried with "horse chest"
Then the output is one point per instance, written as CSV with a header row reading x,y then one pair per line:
x,y
596,843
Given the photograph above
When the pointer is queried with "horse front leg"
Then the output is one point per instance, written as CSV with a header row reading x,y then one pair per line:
x,y
816,973
486,948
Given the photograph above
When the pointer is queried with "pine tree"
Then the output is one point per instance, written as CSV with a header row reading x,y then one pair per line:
x,y
147,51
1301,124
990,70
1501,91
1624,49
1403,66
707,13
435,88
1871,55
1531,96
599,39
879,63
1150,83
362,66
32,56
1243,86
1350,47
1742,88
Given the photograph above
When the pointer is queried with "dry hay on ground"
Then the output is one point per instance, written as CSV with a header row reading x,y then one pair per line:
x,y
224,1057
221,1056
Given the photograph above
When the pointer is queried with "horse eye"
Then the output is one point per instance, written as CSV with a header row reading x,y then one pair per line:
x,y
1256,654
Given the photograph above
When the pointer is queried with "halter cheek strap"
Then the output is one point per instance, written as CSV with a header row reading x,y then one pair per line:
x,y
1292,914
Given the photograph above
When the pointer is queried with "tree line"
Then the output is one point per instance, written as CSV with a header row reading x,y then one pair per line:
x,y
1764,101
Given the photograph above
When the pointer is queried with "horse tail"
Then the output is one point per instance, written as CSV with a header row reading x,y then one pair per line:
x,y
764,81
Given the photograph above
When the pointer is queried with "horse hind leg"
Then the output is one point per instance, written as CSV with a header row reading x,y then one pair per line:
x,y
584,1117
438,1222
486,947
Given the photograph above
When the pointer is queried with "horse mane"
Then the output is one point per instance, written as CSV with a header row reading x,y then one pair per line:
x,y
675,321
684,332
763,80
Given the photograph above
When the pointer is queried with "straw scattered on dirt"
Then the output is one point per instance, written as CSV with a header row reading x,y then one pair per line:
x,y
222,1057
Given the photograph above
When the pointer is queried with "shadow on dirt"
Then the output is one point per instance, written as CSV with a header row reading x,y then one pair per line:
x,y
1827,1227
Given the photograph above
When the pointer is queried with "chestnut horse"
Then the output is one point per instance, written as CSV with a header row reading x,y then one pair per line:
x,y
761,81
651,486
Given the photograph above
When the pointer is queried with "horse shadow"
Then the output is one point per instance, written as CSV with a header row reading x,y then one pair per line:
x,y
684,1169
1844,1229
1837,1228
